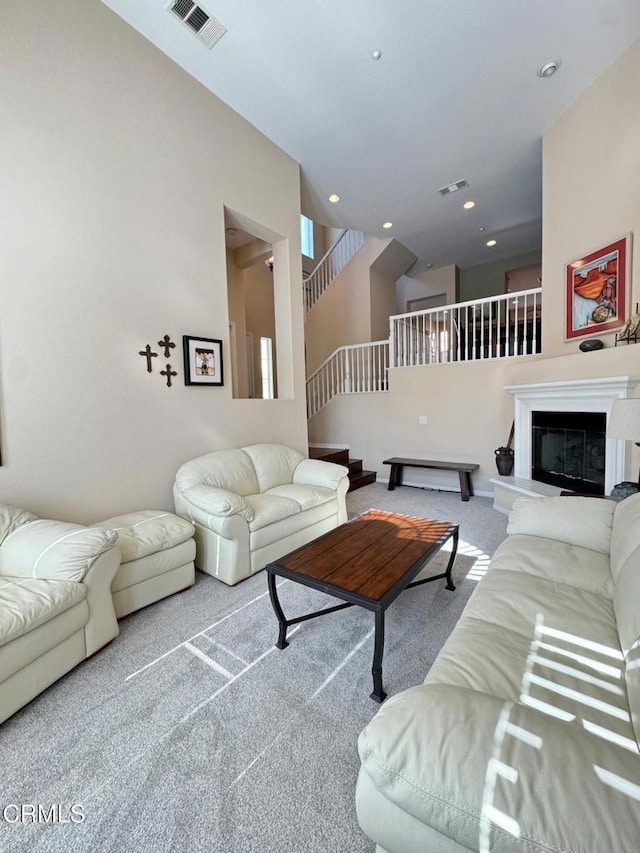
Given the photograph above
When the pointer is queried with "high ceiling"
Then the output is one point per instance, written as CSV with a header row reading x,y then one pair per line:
x,y
454,96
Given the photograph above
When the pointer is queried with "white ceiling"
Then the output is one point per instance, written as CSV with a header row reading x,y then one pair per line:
x,y
455,95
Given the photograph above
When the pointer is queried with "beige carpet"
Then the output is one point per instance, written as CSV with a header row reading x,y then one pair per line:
x,y
192,732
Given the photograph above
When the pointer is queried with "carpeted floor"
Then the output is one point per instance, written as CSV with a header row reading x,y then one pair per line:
x,y
192,732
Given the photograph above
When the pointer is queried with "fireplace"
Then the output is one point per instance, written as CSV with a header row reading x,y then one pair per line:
x,y
568,450
579,396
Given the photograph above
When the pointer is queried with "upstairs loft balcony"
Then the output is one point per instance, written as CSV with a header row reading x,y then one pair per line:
x,y
498,327
503,326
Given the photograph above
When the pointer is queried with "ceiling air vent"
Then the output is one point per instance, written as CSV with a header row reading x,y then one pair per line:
x,y
205,27
454,187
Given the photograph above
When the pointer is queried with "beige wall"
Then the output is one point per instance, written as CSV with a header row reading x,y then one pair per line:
x,y
591,187
426,283
343,315
591,197
117,169
489,279
383,302
468,417
235,294
260,317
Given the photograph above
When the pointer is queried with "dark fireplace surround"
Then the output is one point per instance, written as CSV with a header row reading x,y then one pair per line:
x,y
568,450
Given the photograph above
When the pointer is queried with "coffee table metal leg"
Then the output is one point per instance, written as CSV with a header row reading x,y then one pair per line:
x,y
378,650
454,551
273,595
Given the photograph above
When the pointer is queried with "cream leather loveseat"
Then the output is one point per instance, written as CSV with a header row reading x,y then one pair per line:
x,y
524,736
253,504
55,601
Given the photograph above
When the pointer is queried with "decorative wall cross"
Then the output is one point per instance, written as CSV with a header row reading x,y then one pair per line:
x,y
146,352
167,344
168,373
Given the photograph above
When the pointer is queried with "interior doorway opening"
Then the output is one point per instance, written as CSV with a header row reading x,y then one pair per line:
x,y
252,309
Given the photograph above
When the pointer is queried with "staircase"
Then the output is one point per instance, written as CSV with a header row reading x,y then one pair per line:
x,y
340,455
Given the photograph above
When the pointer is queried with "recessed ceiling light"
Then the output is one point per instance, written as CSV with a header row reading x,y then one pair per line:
x,y
481,228
548,68
376,54
491,242
469,204
387,224
334,198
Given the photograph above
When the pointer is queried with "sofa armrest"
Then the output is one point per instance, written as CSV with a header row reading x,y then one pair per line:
x,y
456,759
102,626
53,550
315,472
585,522
11,517
216,501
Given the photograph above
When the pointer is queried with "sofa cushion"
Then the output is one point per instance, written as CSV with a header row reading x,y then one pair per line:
x,y
12,517
556,561
540,609
26,603
225,469
585,522
267,509
274,464
290,526
54,550
305,496
147,531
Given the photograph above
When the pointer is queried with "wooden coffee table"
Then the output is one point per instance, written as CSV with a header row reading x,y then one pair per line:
x,y
368,561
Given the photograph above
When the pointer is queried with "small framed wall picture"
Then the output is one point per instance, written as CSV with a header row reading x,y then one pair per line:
x,y
202,361
597,291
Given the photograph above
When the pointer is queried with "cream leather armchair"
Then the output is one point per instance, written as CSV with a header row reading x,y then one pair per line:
x,y
253,504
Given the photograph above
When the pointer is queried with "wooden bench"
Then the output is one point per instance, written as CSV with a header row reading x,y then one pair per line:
x,y
464,469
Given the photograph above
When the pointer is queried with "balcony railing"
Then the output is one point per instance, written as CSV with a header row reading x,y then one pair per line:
x,y
498,327
355,369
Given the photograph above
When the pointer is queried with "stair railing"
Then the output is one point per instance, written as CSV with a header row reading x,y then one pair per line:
x,y
497,327
353,369
331,264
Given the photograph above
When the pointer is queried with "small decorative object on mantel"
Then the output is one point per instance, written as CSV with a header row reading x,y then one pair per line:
x,y
631,332
202,361
168,373
591,344
167,344
146,352
504,456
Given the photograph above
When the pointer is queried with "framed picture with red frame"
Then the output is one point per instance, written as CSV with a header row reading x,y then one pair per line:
x,y
598,291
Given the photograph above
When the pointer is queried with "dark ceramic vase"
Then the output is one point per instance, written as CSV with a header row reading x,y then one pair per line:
x,y
504,461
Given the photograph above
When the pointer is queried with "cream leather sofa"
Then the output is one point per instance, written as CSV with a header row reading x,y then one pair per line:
x,y
524,736
254,504
55,601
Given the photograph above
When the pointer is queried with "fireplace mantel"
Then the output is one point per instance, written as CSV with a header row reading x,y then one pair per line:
x,y
578,395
